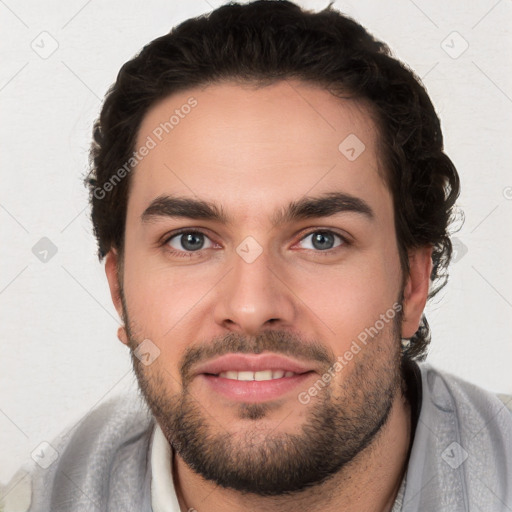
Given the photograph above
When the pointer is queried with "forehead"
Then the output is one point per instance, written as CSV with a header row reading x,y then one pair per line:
x,y
256,148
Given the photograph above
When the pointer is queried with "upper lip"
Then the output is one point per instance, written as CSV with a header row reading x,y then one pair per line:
x,y
251,362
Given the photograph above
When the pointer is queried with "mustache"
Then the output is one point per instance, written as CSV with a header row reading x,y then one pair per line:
x,y
279,342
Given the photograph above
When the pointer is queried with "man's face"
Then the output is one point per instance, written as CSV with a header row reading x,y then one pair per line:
x,y
279,282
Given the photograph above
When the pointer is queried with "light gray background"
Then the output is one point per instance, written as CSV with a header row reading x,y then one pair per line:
x,y
59,352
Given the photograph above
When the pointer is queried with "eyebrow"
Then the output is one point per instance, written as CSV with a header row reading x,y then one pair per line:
x,y
324,205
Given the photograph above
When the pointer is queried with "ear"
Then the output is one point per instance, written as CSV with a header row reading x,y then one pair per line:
x,y
416,289
112,272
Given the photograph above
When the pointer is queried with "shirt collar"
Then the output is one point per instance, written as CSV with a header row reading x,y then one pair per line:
x,y
163,493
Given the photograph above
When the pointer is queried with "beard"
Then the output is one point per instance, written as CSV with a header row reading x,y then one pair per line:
x,y
340,423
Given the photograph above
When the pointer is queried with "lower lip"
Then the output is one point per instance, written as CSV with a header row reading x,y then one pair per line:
x,y
254,390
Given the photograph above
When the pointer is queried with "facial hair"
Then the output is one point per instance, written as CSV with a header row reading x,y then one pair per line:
x,y
340,423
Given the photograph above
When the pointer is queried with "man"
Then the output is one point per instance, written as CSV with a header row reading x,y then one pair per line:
x,y
271,197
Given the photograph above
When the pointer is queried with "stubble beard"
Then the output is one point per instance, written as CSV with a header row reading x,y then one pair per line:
x,y
340,423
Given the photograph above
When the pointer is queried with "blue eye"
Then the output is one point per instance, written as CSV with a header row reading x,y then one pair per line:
x,y
189,241
323,240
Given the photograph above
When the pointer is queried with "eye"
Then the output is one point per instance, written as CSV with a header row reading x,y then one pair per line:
x,y
189,241
322,240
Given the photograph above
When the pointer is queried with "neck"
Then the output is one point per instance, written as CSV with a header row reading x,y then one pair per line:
x,y
370,482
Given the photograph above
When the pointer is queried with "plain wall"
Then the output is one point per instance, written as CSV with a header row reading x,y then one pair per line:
x,y
59,352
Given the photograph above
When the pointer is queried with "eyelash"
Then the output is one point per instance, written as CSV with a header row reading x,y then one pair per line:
x,y
189,254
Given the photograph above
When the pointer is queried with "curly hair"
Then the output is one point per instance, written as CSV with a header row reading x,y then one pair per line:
x,y
264,42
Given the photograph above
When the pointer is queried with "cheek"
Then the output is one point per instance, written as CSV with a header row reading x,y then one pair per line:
x,y
350,299
153,292
164,305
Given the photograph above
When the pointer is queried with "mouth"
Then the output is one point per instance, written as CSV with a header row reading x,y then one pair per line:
x,y
259,376
253,377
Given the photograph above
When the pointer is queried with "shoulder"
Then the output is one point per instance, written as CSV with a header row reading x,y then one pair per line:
x,y
462,450
479,416
447,391
104,451
106,427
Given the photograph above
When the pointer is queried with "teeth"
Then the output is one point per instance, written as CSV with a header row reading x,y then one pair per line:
x,y
263,375
260,375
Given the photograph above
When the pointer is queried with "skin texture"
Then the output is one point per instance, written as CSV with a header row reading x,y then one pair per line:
x,y
252,151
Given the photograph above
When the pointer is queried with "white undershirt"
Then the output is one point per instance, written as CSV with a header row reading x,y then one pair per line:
x,y
163,494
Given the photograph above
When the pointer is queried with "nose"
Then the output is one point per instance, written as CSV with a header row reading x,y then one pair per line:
x,y
253,296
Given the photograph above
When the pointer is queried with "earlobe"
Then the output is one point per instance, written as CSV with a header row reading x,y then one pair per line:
x,y
416,289
122,334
